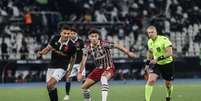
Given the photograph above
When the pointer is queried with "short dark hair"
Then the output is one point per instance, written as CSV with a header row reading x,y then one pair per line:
x,y
68,28
94,31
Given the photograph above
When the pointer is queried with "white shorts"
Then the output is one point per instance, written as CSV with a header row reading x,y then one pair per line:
x,y
57,74
75,70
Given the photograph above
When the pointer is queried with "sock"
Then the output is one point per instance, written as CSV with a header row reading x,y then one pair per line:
x,y
86,94
148,92
68,85
104,88
53,94
169,91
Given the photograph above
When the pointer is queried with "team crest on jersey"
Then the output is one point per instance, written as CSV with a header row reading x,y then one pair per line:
x,y
65,48
77,43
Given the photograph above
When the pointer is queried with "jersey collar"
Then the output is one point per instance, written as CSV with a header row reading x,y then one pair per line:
x,y
96,45
155,39
74,39
63,43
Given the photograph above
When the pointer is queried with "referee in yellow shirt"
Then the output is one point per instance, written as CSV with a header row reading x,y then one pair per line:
x,y
159,55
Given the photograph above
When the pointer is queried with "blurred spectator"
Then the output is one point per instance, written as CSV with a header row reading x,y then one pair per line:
x,y
9,76
4,50
24,50
28,21
100,17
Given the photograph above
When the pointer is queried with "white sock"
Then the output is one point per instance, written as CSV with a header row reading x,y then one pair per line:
x,y
86,94
104,88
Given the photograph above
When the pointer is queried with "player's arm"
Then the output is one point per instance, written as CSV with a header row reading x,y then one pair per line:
x,y
149,58
168,50
44,51
82,66
125,50
71,63
83,63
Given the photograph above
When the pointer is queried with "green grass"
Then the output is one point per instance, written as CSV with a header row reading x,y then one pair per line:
x,y
182,92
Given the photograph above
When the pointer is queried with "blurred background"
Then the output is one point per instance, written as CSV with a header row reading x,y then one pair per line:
x,y
27,25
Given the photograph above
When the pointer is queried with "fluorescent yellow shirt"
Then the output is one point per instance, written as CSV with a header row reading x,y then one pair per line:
x,y
158,46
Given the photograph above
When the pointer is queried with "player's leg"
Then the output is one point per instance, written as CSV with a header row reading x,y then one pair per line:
x,y
67,87
85,89
53,76
153,72
169,89
106,75
149,85
68,82
51,82
52,90
167,73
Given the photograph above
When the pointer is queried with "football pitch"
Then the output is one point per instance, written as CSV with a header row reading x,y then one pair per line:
x,y
119,91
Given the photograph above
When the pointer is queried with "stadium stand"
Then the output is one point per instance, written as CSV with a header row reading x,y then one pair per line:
x,y
26,27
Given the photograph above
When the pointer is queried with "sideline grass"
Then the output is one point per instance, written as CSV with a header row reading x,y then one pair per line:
x,y
182,92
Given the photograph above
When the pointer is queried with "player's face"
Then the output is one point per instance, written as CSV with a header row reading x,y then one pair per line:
x,y
73,34
152,33
65,35
94,38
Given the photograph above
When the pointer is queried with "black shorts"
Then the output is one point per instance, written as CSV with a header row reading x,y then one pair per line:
x,y
166,71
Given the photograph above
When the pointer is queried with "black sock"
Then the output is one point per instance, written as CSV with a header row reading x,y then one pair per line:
x,y
53,94
68,85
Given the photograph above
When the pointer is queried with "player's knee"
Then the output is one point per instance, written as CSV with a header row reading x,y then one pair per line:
x,y
83,87
104,79
168,84
151,82
50,85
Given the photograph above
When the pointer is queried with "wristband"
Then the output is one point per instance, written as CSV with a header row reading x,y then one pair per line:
x,y
147,62
160,58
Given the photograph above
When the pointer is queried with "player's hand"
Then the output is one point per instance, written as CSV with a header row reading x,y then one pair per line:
x,y
39,55
153,61
79,76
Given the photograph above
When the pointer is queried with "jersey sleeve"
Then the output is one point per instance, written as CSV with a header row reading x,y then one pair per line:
x,y
86,50
167,42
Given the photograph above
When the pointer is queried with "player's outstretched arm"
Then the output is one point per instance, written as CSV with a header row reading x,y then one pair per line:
x,y
44,51
125,50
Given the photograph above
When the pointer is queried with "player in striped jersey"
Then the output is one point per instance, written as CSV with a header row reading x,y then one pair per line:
x,y
104,71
